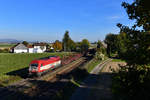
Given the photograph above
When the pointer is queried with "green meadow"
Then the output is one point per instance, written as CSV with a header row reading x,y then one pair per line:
x,y
10,62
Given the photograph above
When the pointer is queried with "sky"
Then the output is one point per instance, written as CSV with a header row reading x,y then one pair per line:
x,y
47,20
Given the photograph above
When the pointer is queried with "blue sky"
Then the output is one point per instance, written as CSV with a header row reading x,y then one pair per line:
x,y
47,20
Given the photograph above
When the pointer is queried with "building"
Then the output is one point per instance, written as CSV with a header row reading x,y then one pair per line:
x,y
19,48
35,48
39,47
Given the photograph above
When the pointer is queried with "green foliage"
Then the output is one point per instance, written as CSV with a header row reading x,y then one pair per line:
x,y
139,10
72,45
132,83
99,56
111,41
122,43
101,48
84,45
66,40
25,43
133,46
68,43
118,60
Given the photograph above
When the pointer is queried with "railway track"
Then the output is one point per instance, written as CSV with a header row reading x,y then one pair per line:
x,y
27,85
100,66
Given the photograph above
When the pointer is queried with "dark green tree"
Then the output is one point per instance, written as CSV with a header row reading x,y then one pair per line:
x,y
84,45
111,41
139,10
133,80
72,45
66,41
25,43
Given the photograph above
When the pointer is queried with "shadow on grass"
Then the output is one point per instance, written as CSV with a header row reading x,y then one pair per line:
x,y
60,90
23,73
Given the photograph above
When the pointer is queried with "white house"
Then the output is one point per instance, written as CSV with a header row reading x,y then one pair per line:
x,y
19,48
35,48
39,47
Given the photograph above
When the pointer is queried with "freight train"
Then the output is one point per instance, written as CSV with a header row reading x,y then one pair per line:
x,y
42,65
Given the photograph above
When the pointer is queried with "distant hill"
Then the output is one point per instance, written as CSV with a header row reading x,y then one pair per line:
x,y
10,41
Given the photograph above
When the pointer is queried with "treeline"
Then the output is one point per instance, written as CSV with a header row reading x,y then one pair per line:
x,y
68,45
132,44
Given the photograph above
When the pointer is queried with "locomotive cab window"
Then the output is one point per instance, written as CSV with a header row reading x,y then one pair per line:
x,y
34,65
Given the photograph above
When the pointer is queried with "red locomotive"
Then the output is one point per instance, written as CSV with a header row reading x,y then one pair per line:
x,y
42,65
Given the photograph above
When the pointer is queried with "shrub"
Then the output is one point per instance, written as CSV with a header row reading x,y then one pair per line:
x,y
132,83
99,56
4,50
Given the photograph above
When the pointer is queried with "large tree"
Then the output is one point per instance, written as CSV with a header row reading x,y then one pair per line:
x,y
139,10
138,41
84,45
66,41
133,80
111,41
72,45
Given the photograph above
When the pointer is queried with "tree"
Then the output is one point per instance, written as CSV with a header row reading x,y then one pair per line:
x,y
57,45
66,41
84,45
139,10
25,43
99,44
111,41
72,45
101,48
134,44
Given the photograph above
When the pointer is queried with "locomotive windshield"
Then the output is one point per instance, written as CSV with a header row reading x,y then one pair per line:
x,y
34,65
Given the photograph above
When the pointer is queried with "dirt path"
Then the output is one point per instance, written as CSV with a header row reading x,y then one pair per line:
x,y
97,86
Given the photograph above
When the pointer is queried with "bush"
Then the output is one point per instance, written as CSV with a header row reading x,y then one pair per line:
x,y
4,50
132,83
99,56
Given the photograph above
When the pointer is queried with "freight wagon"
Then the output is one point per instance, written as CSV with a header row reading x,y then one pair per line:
x,y
42,65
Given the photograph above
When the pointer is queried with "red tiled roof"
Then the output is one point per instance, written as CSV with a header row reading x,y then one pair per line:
x,y
29,46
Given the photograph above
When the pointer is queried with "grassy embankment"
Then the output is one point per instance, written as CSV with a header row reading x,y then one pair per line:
x,y
118,60
13,66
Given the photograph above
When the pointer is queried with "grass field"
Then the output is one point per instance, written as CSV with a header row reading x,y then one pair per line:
x,y
6,45
12,62
118,60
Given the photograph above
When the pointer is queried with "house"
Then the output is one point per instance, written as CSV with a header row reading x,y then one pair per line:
x,y
30,49
39,47
19,48
35,48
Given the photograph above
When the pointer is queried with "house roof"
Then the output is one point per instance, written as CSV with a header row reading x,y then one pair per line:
x,y
14,46
40,44
30,46
19,46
